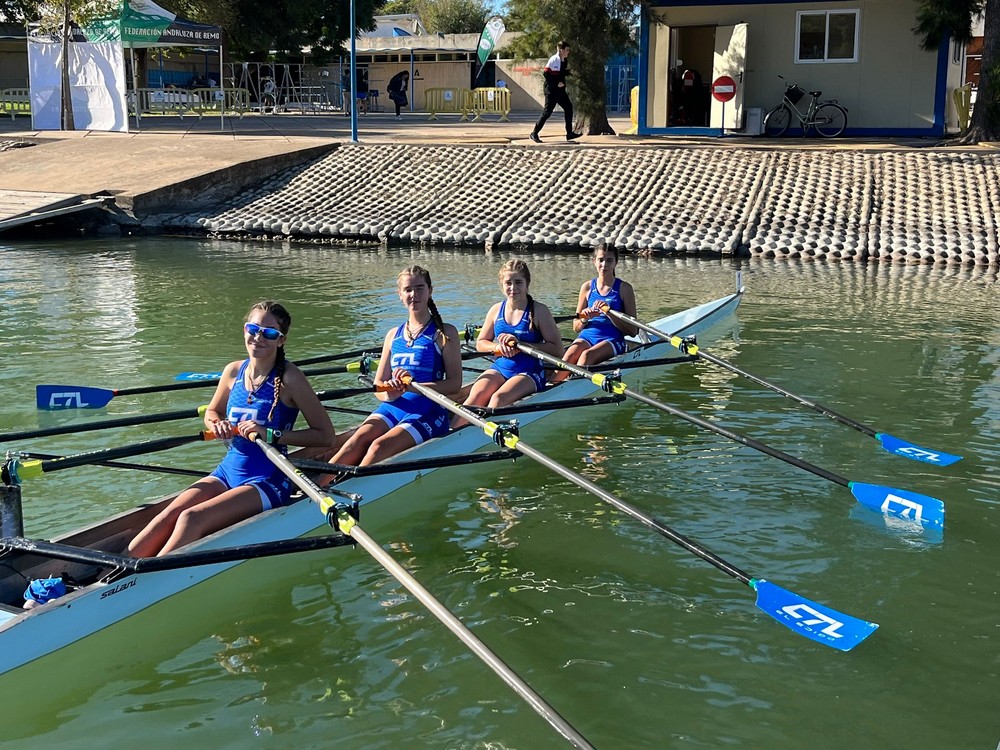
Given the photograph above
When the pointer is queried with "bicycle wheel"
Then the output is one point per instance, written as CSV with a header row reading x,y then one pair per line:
x,y
830,120
777,121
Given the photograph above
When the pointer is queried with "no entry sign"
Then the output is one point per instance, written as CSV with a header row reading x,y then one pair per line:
x,y
723,88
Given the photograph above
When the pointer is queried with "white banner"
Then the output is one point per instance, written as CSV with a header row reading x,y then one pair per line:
x,y
97,85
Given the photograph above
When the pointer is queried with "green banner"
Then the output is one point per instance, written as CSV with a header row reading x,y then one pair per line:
x,y
488,39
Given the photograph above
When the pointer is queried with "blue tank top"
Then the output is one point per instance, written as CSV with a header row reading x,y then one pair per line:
x,y
520,362
422,357
601,324
243,455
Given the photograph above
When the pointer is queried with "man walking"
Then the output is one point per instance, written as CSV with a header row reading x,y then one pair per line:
x,y
556,70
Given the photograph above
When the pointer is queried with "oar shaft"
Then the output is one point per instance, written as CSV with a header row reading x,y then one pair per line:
x,y
686,416
34,468
103,424
627,508
397,571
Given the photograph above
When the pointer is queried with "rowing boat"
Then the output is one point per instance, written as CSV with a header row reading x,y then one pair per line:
x,y
108,594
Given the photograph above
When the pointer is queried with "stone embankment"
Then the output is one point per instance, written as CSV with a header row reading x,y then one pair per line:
x,y
919,206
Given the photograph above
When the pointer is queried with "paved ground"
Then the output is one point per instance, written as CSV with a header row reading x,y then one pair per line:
x,y
170,151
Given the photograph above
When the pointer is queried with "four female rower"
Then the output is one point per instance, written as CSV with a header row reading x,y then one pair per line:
x,y
518,317
424,348
601,336
264,394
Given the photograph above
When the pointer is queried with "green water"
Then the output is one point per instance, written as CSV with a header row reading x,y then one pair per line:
x,y
631,639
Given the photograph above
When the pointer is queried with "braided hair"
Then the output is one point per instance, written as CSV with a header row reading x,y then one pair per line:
x,y
518,266
431,306
279,313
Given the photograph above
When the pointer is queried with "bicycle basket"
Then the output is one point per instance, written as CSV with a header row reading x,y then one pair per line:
x,y
794,94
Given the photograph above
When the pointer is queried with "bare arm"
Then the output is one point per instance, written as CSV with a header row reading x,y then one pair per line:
x,y
383,374
301,395
581,305
628,302
215,415
485,342
452,355
547,327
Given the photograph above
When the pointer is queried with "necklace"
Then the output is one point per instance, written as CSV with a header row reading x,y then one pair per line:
x,y
412,336
255,386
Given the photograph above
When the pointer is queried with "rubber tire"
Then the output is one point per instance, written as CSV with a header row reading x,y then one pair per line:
x,y
830,120
777,121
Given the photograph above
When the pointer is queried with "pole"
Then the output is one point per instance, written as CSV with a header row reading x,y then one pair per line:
x,y
11,517
354,75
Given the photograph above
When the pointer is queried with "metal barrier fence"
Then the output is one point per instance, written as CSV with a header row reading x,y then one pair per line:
x,y
183,102
491,100
454,100
15,102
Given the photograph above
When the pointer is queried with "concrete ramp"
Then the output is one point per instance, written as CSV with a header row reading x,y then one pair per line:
x,y
20,207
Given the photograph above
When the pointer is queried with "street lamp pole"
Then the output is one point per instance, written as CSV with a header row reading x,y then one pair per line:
x,y
354,76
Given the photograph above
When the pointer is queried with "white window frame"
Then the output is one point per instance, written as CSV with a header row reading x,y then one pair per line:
x,y
826,48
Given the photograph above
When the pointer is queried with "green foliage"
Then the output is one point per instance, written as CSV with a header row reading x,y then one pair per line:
x,y
50,15
938,18
444,16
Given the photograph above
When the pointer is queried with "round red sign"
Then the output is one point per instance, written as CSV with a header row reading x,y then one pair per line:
x,y
723,88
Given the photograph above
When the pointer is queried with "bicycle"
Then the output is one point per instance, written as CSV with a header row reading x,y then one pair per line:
x,y
828,117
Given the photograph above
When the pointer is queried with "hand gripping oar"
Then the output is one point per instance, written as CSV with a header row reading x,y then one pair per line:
x,y
891,443
36,467
911,506
52,397
339,517
807,618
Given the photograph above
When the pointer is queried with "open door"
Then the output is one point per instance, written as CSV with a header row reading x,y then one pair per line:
x,y
729,60
656,87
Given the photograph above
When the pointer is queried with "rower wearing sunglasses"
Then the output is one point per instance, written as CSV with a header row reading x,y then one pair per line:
x,y
264,394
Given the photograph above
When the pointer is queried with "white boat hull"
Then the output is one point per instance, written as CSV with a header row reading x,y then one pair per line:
x,y
26,635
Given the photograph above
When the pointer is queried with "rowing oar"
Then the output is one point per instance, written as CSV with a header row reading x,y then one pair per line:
x,y
31,468
83,397
339,517
300,362
104,424
908,505
812,620
891,443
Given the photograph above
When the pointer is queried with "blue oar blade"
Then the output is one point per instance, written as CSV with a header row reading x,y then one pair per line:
x,y
71,397
198,376
911,506
814,621
910,450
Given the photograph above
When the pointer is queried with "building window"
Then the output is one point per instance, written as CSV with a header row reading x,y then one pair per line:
x,y
827,36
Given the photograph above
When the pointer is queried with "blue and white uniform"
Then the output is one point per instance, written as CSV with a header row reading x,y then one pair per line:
x,y
245,463
600,328
417,414
520,363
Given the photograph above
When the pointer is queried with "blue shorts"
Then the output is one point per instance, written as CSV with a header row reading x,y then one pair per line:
x,y
594,337
420,417
275,490
509,368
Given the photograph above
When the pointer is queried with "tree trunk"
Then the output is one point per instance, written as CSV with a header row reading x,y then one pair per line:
x,y
985,123
67,96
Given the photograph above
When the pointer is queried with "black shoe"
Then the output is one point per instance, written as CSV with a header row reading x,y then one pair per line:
x,y
535,138
573,136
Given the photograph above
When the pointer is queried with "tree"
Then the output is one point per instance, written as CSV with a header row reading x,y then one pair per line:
x,y
939,19
444,16
595,29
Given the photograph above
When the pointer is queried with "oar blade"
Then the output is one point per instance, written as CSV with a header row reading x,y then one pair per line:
x,y
814,621
911,506
906,449
51,397
195,376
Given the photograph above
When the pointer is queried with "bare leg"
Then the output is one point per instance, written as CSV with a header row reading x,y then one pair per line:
x,y
596,354
394,441
479,394
217,513
149,542
572,355
513,390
